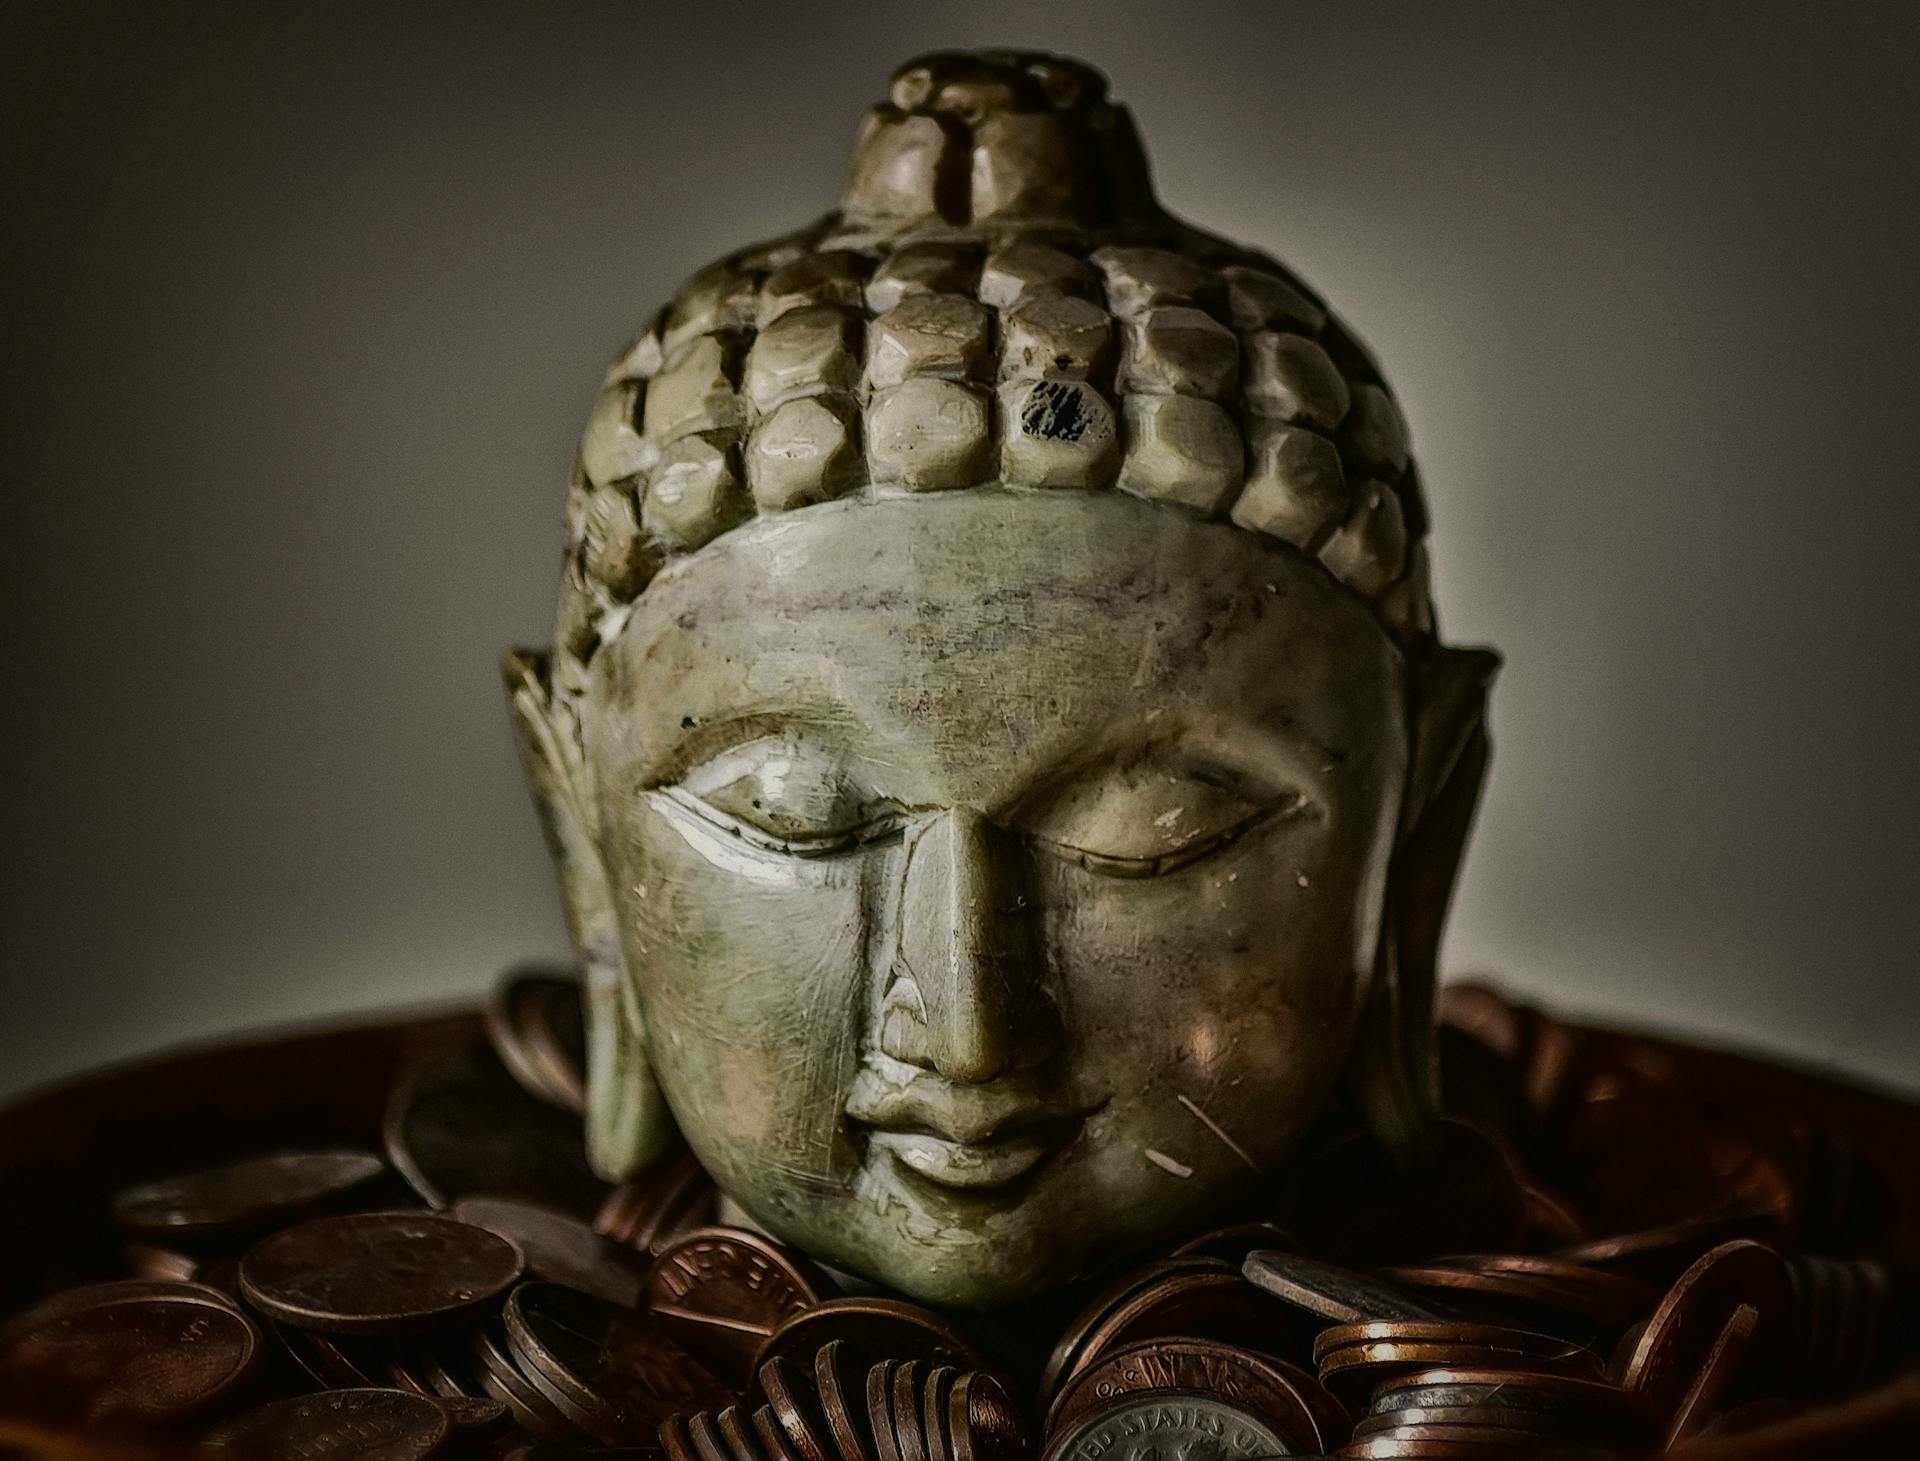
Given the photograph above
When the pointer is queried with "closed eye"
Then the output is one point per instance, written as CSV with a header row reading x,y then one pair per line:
x,y
1157,864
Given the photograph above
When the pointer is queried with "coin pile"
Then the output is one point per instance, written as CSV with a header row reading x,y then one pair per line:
x,y
1583,1259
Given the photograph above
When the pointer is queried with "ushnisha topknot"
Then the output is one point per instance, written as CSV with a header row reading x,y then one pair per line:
x,y
998,302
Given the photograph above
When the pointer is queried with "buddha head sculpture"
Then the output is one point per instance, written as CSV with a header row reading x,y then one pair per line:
x,y
1003,775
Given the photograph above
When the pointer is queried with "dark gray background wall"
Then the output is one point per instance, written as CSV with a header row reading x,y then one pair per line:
x,y
305,307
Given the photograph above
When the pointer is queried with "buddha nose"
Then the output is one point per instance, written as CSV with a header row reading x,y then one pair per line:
x,y
968,943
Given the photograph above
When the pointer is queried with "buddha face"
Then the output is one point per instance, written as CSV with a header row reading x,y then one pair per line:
x,y
996,877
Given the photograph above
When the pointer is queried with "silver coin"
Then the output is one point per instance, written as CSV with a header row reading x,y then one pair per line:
x,y
1170,1423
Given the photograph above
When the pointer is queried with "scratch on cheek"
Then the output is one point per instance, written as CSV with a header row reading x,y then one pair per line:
x,y
1227,1141
1166,1163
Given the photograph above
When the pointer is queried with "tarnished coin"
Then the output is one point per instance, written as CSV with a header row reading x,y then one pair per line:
x,y
1541,1425
1205,1304
1660,1254
109,1357
792,1405
1290,1400
1610,1413
708,1443
904,1408
872,1329
613,1372
476,1418
737,1431
675,1439
537,1026
244,1197
1715,1376
333,1364
1549,1285
557,1246
1339,1295
983,1423
354,1425
672,1197
458,1125
775,1445
501,1378
1192,1427
935,1393
1674,1347
1354,1359
722,1292
886,1445
1070,1348
378,1273
840,1379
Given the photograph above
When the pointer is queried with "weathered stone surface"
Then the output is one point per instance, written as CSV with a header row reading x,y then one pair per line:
x,y
613,549
1056,433
806,451
1140,279
924,268
1407,607
1374,431
1295,485
1182,449
1011,272
832,276
927,433
1290,377
694,494
1258,300
638,361
719,297
807,350
612,447
900,162
1028,164
1369,550
929,334
695,392
1055,334
1178,350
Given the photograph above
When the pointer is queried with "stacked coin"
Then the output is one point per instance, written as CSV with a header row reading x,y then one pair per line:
x,y
480,1292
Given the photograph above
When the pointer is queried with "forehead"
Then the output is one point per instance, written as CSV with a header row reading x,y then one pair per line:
x,y
969,640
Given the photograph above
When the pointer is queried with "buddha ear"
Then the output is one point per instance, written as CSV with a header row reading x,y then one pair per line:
x,y
1395,1078
628,1124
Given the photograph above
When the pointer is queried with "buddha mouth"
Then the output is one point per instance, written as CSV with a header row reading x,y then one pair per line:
x,y
967,1137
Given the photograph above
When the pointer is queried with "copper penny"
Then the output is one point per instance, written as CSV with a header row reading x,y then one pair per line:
x,y
557,1246
983,1423
872,1329
1715,1376
109,1357
935,1392
537,1026
1070,1347
775,1443
737,1431
1165,1423
378,1273
502,1379
1209,1304
1683,1330
903,1407
722,1292
835,1371
1551,1283
613,1372
458,1124
1597,1403
1659,1254
1457,1333
645,1212
793,1408
355,1425
1336,1294
1257,1383
244,1197
1540,1424
707,1442
886,1445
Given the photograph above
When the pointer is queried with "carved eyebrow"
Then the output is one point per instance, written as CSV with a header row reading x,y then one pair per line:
x,y
700,741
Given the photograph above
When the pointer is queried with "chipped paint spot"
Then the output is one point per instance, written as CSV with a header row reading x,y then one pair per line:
x,y
1166,1163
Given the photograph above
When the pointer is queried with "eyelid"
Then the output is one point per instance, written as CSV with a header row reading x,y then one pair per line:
x,y
890,821
1294,805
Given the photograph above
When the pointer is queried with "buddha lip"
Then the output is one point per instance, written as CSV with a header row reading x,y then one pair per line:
x,y
970,1166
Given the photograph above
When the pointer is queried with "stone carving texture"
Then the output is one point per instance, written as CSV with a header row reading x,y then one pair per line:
x,y
996,228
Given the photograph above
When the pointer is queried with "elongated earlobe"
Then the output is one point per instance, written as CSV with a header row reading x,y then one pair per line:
x,y
1393,1072
628,1124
